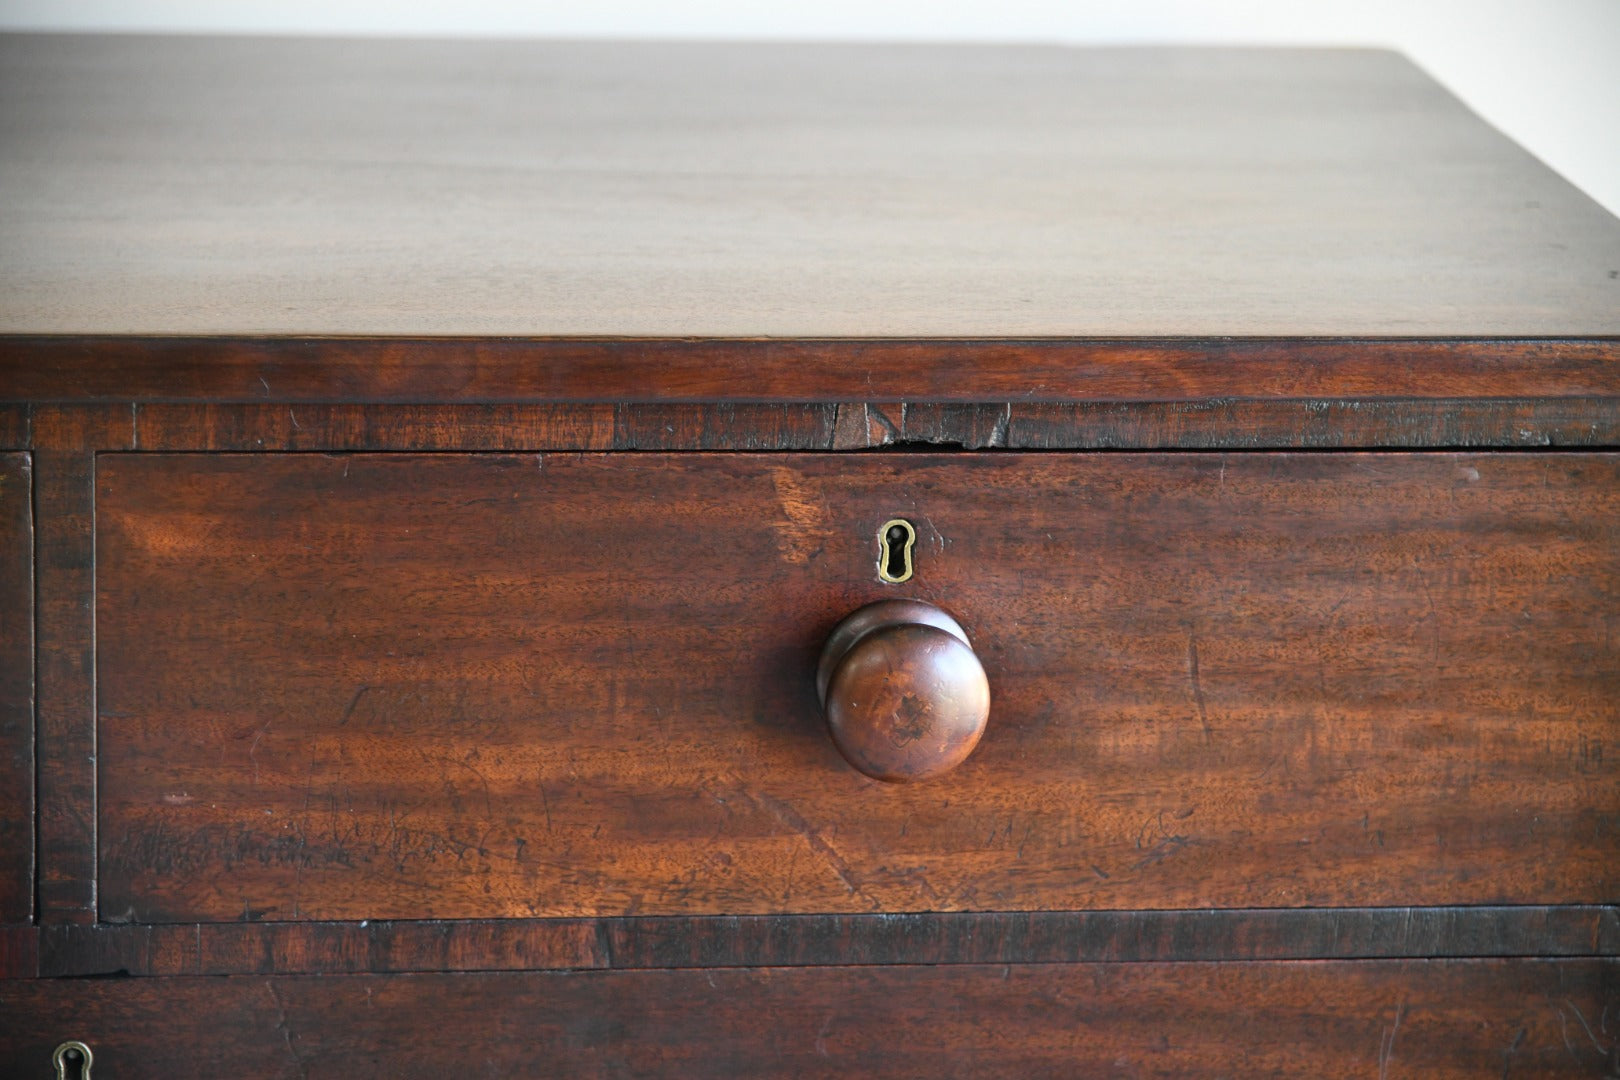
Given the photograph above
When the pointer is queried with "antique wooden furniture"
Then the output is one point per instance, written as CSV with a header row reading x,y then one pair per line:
x,y
433,471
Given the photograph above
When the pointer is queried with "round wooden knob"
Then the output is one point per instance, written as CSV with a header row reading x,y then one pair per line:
x,y
905,696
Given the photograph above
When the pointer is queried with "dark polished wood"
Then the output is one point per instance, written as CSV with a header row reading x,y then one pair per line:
x,y
14,427
65,641
19,951
454,686
1036,937
410,371
1460,1018
383,725
16,689
905,697
1117,425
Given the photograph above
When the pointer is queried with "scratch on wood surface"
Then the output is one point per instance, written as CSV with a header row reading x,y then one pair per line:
x,y
1576,1009
939,537
354,703
1563,1029
1386,1044
790,817
286,1032
1434,619
821,1036
1513,1048
1197,684
1157,840
253,750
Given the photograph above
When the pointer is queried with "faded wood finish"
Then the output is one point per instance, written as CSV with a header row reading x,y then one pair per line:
x,y
409,371
1041,937
1440,1019
251,186
450,686
16,689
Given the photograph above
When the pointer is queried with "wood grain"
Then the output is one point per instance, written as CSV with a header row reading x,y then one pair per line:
x,y
181,185
1039,937
19,951
14,427
1221,424
439,764
409,371
1514,1018
904,696
65,689
465,687
16,689
1206,425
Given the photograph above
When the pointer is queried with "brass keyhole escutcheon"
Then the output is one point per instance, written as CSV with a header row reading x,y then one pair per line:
x,y
72,1055
897,540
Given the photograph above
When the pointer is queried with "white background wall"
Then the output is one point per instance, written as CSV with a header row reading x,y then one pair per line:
x,y
1547,72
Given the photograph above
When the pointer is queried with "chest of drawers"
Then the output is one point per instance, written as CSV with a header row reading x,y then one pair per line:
x,y
432,473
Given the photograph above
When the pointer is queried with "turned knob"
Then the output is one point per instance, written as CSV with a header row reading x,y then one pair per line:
x,y
904,694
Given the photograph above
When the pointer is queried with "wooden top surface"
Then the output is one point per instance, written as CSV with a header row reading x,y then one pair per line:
x,y
194,186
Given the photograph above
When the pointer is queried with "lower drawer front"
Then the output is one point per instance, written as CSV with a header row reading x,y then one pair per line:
x,y
1342,1019
463,686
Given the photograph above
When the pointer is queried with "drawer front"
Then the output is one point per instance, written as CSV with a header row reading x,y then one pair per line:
x,y
459,686
1343,1019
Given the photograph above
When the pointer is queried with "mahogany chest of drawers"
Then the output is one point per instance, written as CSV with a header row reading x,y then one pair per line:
x,y
433,472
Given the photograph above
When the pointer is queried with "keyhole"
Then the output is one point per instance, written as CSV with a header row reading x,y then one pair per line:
x,y
896,540
72,1060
